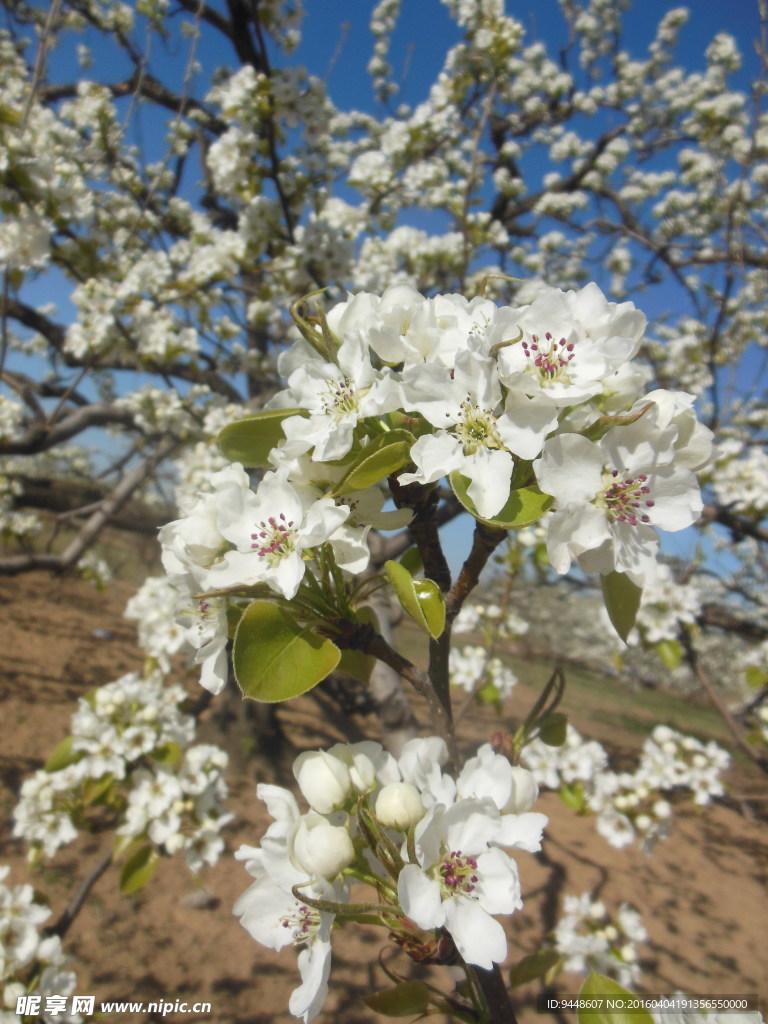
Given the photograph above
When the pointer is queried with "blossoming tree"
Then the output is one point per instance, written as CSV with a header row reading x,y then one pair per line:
x,y
252,307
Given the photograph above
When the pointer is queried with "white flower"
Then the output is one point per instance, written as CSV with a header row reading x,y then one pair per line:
x,y
336,397
472,436
460,881
271,529
572,342
611,494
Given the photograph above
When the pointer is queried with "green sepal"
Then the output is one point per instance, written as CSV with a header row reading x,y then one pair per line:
x,y
572,795
421,599
63,755
553,728
622,601
275,658
524,506
537,965
598,985
138,869
250,440
670,652
314,328
597,430
384,455
403,1000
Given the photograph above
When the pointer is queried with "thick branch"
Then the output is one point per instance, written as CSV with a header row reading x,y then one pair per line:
x,y
96,522
44,436
740,526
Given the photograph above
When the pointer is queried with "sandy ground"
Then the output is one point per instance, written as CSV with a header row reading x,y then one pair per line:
x,y
702,892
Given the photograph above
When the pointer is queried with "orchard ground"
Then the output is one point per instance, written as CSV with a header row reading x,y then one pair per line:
x,y
702,892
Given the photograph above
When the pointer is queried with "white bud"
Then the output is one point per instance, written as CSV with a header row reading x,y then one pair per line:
x,y
319,848
399,806
643,822
323,780
662,810
359,759
525,791
597,910
611,932
627,953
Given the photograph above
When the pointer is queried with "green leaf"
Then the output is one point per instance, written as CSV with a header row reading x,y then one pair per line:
x,y
138,869
405,999
421,599
553,728
615,1001
169,753
275,658
572,795
622,600
670,652
524,506
412,560
95,790
384,455
534,966
252,439
63,755
754,676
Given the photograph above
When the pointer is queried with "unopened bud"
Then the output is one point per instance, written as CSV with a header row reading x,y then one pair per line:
x,y
399,806
319,848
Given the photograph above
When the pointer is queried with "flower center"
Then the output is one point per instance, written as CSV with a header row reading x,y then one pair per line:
x,y
548,359
476,428
459,873
303,922
341,398
623,499
274,539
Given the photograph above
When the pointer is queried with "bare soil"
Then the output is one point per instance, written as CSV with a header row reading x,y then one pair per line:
x,y
702,892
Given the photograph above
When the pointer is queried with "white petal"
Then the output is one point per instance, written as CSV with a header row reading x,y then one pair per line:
x,y
570,468
420,897
479,937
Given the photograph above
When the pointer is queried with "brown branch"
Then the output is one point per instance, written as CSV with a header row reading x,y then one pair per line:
x,y
484,542
96,522
719,704
740,526
66,919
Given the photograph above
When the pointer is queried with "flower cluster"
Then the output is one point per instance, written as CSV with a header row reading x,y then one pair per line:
x,y
129,754
590,939
472,668
29,962
629,805
536,401
432,846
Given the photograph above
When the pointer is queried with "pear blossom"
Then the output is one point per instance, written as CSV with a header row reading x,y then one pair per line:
x,y
611,494
473,437
571,343
336,397
460,881
271,529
